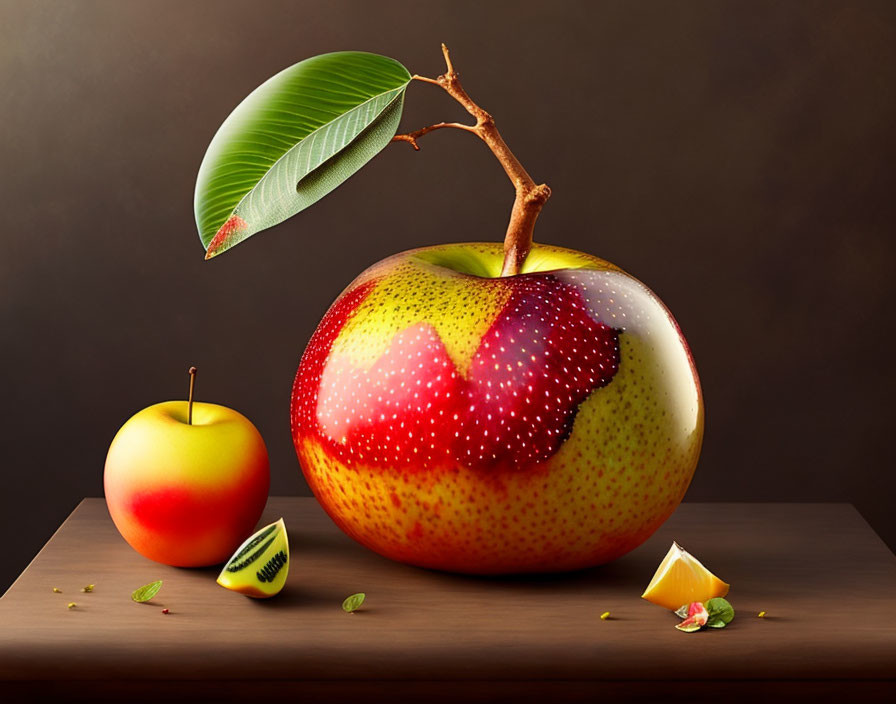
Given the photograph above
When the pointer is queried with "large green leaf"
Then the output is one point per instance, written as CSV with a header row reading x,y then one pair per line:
x,y
294,139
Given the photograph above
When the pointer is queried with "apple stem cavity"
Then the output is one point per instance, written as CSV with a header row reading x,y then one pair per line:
x,y
192,372
530,197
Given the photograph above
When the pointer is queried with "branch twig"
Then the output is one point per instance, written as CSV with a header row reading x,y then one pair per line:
x,y
412,137
530,197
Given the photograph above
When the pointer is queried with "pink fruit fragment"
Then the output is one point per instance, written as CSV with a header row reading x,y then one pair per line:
x,y
696,619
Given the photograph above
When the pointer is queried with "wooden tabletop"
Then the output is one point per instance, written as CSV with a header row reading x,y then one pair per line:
x,y
826,581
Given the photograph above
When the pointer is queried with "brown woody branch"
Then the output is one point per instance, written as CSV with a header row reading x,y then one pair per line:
x,y
412,137
530,197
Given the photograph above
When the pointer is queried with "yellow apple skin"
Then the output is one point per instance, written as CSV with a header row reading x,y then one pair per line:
x,y
186,495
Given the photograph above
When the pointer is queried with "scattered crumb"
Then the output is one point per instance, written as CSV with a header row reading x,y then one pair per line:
x,y
761,614
71,604
57,590
605,616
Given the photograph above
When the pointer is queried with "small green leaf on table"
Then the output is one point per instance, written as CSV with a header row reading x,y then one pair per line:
x,y
353,602
147,591
721,613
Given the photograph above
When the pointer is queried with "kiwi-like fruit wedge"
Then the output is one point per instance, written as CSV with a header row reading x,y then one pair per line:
x,y
259,566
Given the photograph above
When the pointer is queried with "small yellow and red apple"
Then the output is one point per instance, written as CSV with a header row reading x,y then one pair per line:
x,y
450,417
186,482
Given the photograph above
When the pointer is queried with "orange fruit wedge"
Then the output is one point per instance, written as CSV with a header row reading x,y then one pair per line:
x,y
681,579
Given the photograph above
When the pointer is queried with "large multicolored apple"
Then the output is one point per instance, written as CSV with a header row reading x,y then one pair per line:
x,y
453,418
481,408
186,487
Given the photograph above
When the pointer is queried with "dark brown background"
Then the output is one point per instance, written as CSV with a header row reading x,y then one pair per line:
x,y
736,156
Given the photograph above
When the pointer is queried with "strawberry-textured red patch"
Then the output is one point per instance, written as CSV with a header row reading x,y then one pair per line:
x,y
397,412
412,409
306,387
543,356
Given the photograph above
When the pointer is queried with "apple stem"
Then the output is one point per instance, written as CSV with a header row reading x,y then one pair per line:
x,y
192,373
530,197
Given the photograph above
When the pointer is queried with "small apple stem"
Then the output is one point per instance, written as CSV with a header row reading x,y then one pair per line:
x,y
192,373
530,197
